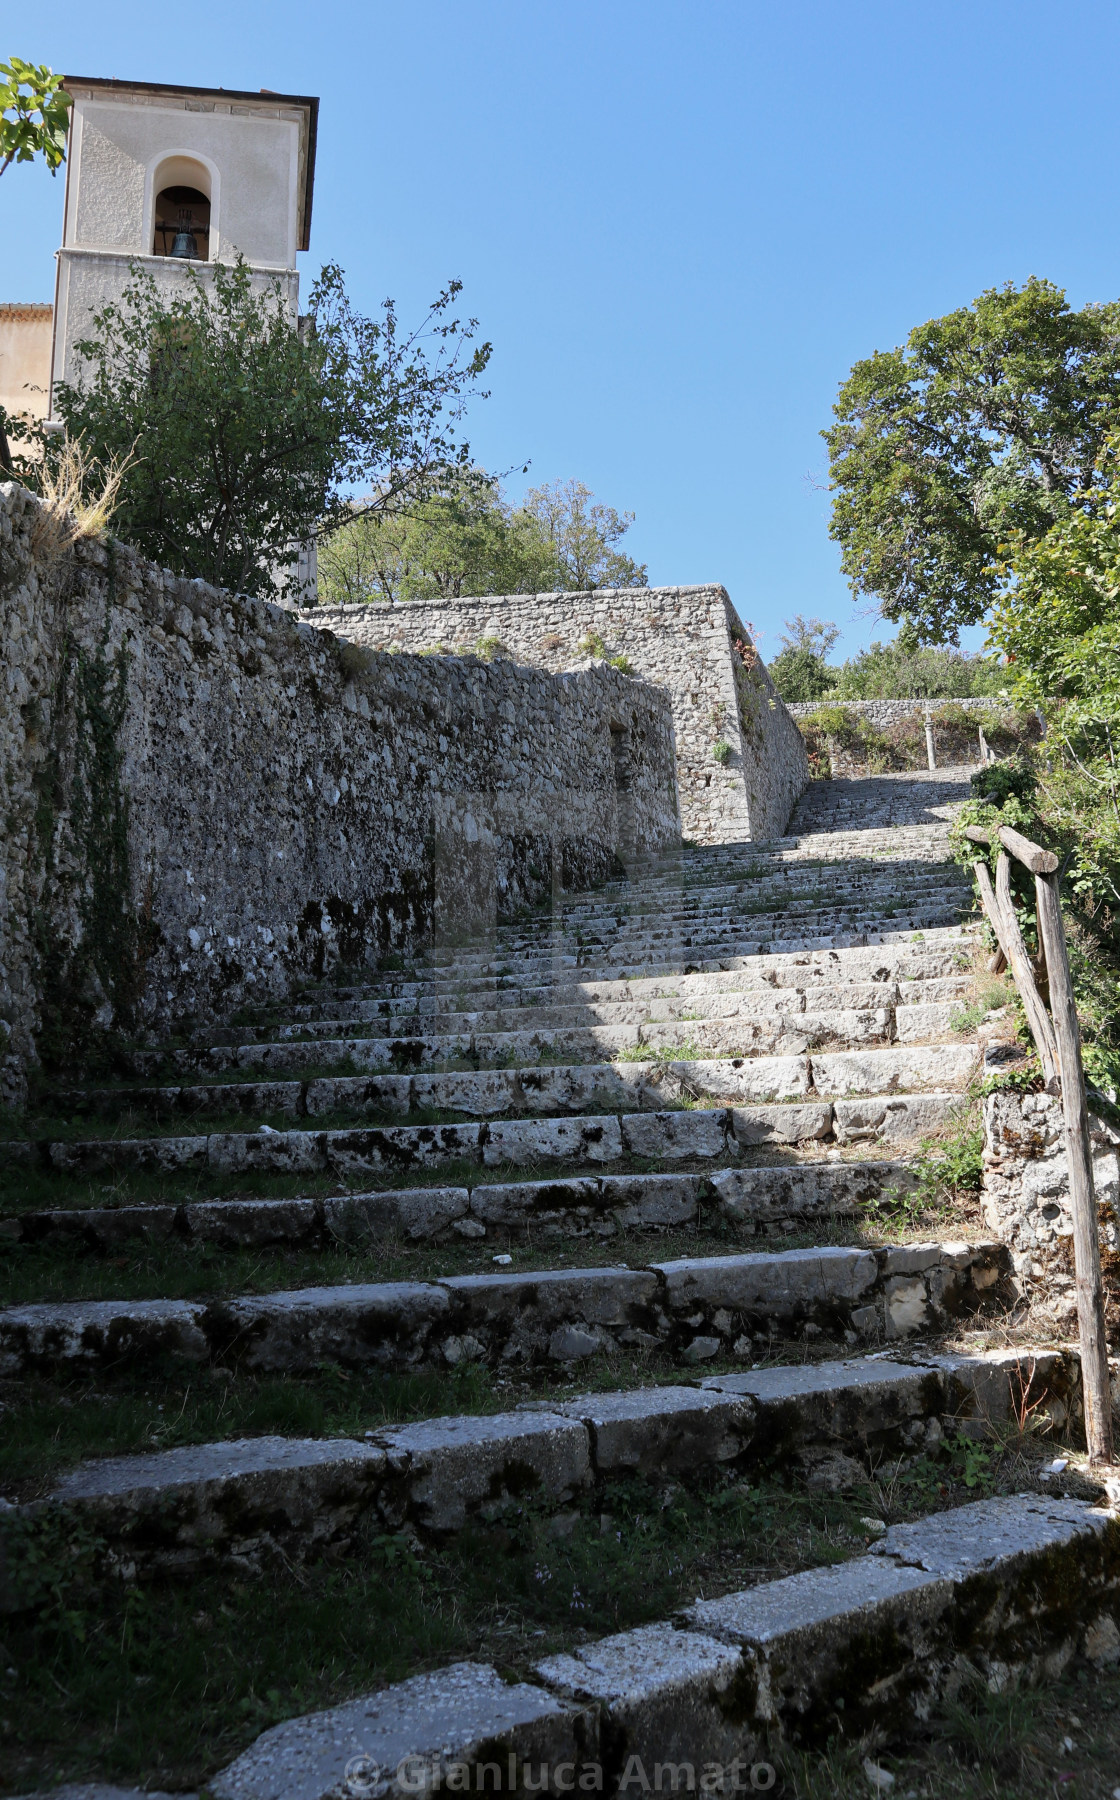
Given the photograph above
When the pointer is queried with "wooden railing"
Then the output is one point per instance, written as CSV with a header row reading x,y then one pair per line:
x,y
1057,1037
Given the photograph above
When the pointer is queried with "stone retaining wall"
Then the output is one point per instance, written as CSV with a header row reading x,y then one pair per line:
x,y
1026,1198
688,640
205,800
881,713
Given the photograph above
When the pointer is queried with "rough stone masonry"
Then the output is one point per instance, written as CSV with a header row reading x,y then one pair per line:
x,y
205,799
741,761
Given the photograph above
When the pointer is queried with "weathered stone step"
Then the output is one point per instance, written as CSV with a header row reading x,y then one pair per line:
x,y
589,1204
251,1501
744,1034
568,1131
560,1098
901,964
404,1018
775,933
531,970
694,1309
1014,1588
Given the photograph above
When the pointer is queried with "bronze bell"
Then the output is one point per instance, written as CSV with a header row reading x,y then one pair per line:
x,y
185,243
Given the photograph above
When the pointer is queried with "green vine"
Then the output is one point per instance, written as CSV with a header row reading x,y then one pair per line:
x,y
92,974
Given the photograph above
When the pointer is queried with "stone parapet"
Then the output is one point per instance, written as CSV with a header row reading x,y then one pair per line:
x,y
206,801
688,640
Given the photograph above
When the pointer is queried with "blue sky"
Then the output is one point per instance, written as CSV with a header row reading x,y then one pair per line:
x,y
679,224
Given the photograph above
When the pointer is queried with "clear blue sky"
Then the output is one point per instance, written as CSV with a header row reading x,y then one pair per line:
x,y
678,223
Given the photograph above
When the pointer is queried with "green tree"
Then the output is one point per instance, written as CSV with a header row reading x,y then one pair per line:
x,y
247,435
34,113
465,538
986,421
582,535
800,670
897,671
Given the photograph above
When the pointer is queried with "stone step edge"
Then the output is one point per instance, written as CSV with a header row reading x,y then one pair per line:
x,y
694,1308
842,1028
497,1138
1017,1587
176,1509
760,1194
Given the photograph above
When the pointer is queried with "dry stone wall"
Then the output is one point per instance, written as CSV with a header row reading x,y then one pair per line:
x,y
1026,1199
688,640
205,800
880,714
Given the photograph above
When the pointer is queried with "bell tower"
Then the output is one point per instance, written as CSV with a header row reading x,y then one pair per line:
x,y
176,178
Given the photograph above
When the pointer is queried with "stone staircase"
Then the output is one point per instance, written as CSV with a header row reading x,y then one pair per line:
x,y
472,1162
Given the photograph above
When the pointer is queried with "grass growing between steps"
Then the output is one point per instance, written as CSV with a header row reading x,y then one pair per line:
x,y
1030,1744
162,1685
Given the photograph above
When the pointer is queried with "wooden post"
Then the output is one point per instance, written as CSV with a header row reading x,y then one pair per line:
x,y
1083,1206
931,755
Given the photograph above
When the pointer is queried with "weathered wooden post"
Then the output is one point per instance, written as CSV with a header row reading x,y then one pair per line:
x,y
1058,1038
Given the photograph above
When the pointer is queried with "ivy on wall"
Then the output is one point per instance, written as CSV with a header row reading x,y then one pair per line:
x,y
92,942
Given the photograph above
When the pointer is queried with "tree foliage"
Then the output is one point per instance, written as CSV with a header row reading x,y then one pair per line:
x,y
985,422
34,114
466,538
246,435
895,671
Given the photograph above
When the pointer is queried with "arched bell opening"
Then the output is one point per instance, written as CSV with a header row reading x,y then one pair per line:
x,y
181,213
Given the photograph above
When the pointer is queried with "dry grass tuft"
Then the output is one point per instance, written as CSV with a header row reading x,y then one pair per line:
x,y
79,499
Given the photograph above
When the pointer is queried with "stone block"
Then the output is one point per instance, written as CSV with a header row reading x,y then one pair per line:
x,y
526,1141
411,1213
237,1224
400,1148
673,1135
515,1316
445,1470
863,1402
731,1079
197,1505
393,1740
97,1333
389,1324
272,1152
795,1283
481,1094
515,1204
644,1202
391,1094
667,1697
93,1156
939,1066
663,1430
789,1124
899,1118
586,1088
931,1019
806,1190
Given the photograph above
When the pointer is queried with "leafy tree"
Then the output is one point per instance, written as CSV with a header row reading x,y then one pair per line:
x,y
799,671
246,435
34,113
467,539
582,534
898,672
986,421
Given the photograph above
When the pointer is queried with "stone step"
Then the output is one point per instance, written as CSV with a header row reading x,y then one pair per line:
x,y
808,970
257,1500
694,1309
780,931
528,971
407,1018
585,1205
567,1132
1013,1588
744,1034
